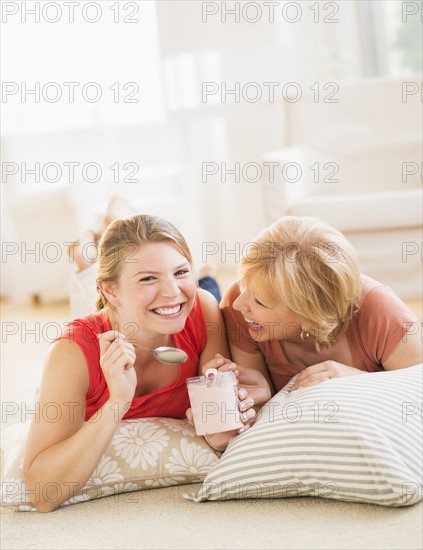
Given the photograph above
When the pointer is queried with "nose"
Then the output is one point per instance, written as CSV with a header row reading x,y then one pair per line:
x,y
240,304
169,288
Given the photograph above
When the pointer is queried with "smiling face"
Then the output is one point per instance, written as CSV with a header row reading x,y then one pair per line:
x,y
267,320
154,294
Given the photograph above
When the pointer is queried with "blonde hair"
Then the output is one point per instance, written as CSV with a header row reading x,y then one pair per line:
x,y
310,267
125,236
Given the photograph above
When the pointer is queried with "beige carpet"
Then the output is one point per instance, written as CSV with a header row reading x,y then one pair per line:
x,y
162,519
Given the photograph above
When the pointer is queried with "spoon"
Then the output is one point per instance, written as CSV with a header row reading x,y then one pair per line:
x,y
166,354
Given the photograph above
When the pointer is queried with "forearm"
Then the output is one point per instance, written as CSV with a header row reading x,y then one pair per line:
x,y
62,470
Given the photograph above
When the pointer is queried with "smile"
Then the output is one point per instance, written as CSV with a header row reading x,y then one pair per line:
x,y
168,311
253,325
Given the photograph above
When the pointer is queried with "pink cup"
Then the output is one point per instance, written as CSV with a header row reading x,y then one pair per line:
x,y
214,402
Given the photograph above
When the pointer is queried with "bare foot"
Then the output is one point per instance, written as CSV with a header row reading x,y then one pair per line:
x,y
117,207
84,251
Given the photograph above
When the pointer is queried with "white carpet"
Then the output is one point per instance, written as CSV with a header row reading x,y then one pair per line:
x,y
162,519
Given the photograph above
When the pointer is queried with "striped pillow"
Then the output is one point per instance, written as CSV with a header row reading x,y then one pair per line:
x,y
356,438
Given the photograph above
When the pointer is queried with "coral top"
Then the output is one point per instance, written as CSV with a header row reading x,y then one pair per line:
x,y
372,334
169,401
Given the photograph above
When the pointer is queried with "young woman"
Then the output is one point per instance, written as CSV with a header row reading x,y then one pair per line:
x,y
96,377
302,307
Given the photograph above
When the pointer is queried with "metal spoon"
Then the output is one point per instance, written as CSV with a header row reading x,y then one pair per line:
x,y
166,354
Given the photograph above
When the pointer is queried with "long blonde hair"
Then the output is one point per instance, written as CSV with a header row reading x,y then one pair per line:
x,y
125,236
310,267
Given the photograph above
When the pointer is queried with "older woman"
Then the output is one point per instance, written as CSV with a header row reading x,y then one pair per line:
x,y
302,307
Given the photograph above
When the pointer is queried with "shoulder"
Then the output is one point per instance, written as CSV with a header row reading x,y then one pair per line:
x,y
96,320
208,304
84,330
206,298
371,289
378,300
80,340
230,295
67,363
382,320
226,305
194,333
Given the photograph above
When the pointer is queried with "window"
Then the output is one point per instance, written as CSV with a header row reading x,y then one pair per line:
x,y
392,36
63,75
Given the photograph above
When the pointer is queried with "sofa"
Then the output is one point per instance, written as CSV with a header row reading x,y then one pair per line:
x,y
356,164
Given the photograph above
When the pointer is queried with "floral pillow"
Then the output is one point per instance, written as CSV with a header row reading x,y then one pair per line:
x,y
143,454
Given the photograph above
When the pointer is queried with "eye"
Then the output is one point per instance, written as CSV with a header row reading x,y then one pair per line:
x,y
147,279
259,303
182,272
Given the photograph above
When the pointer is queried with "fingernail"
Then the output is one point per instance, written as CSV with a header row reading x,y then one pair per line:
x,y
245,417
241,430
242,393
243,406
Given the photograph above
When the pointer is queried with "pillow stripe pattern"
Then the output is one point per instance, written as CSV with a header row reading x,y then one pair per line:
x,y
356,438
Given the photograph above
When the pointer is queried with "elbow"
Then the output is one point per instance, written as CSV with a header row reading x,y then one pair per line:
x,y
45,507
38,494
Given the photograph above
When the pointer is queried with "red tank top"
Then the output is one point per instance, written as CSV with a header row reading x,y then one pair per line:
x,y
170,401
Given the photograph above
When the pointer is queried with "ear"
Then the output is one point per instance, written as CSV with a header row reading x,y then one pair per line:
x,y
110,291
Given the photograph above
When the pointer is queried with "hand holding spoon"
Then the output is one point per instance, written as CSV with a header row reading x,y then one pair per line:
x,y
164,354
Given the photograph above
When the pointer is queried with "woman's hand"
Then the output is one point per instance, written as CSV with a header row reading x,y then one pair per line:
x,y
219,362
254,383
250,380
323,371
220,441
117,359
253,387
252,394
